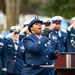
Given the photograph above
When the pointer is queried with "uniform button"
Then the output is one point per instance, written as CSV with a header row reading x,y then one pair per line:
x,y
14,60
46,49
15,52
39,42
14,56
46,63
64,47
49,43
32,64
46,55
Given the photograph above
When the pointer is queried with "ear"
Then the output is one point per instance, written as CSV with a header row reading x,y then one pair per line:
x,y
31,29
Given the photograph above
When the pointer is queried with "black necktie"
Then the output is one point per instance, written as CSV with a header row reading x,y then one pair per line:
x,y
16,43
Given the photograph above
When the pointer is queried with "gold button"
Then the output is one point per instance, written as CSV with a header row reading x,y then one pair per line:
x,y
32,64
14,60
46,55
46,49
14,56
39,42
46,63
15,52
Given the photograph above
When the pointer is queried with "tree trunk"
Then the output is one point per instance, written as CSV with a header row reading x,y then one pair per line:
x,y
12,12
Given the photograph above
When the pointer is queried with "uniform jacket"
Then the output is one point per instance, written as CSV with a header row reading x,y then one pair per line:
x,y
3,55
15,58
38,51
59,43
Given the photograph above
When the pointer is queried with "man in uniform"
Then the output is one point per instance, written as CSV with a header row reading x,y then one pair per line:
x,y
3,57
59,38
15,53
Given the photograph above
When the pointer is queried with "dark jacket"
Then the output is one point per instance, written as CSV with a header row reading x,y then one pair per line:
x,y
15,57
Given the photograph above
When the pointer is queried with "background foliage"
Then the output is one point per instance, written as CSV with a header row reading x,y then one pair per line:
x,y
65,8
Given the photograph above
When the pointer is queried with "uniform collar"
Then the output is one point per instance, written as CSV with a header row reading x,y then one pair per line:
x,y
59,33
39,36
16,41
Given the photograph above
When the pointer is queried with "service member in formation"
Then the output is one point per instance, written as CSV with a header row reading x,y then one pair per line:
x,y
38,50
15,53
59,38
3,57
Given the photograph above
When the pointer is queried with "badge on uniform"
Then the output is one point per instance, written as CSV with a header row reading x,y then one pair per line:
x,y
9,45
54,38
22,48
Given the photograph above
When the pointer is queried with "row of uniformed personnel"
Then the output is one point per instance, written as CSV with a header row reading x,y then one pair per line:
x,y
29,57
12,51
61,41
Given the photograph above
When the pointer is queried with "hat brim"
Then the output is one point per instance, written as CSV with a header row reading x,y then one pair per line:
x,y
16,32
47,23
36,22
58,23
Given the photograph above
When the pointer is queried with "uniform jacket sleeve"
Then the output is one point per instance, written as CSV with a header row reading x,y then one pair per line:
x,y
4,58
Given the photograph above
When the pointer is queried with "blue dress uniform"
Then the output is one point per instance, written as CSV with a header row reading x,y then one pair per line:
x,y
38,52
3,57
59,43
16,58
71,37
